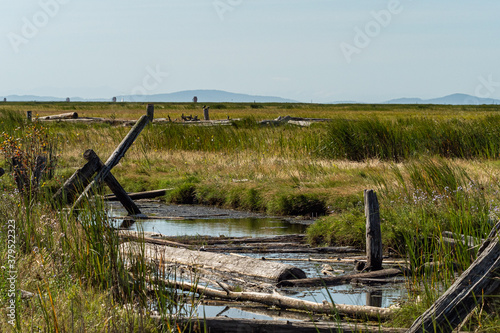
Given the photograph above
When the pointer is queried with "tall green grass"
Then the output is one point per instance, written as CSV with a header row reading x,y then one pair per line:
x,y
423,199
65,258
403,138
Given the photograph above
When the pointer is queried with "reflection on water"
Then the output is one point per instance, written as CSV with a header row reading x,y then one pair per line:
x,y
254,227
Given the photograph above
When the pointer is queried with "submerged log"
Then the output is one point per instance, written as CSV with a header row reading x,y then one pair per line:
x,y
285,302
70,115
139,195
336,280
207,240
142,237
255,268
235,325
277,249
475,284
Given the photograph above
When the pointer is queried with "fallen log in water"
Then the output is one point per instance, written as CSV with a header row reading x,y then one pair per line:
x,y
272,271
70,115
336,280
337,261
285,302
207,240
143,237
139,195
233,325
274,249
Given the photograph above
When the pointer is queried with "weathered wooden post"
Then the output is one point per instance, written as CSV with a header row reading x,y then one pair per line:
x,y
478,282
374,298
77,182
114,185
205,113
151,112
373,233
117,154
29,116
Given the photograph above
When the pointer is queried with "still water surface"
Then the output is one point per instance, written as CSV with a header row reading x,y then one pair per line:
x,y
382,295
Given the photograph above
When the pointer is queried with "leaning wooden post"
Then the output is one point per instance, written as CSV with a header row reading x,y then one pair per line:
x,y
114,185
478,282
77,182
115,157
373,233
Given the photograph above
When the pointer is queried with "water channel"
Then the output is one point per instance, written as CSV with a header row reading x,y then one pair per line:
x,y
195,220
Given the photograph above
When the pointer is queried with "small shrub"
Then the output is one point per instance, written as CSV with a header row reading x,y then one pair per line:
x,y
183,194
297,204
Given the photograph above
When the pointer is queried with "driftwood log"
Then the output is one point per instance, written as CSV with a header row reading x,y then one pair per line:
x,y
475,284
337,280
232,325
143,237
139,195
207,240
70,115
275,299
245,266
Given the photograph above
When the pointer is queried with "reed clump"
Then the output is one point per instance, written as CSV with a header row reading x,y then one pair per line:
x,y
68,265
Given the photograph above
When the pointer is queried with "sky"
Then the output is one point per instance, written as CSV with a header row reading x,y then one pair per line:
x,y
307,50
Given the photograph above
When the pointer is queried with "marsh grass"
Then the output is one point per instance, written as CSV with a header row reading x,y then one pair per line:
x,y
73,266
407,153
403,138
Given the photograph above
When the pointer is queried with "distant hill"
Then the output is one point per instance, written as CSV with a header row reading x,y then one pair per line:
x,y
204,96
34,98
454,99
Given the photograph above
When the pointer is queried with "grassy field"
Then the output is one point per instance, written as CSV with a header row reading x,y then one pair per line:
x,y
435,168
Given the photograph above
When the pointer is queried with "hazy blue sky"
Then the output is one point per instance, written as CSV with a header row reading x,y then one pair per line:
x,y
320,50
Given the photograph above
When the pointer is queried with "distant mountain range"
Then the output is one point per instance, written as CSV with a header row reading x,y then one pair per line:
x,y
204,96
454,99
211,96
